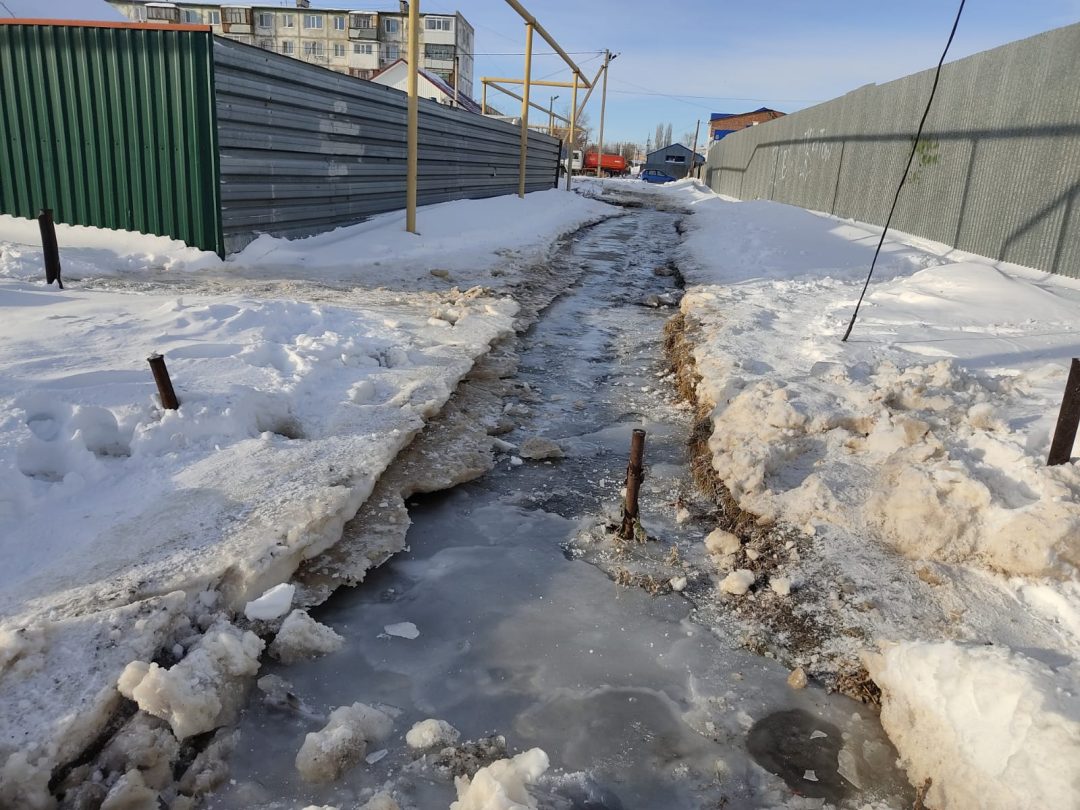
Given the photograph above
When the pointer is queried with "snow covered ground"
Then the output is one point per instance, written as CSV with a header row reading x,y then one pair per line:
x,y
125,528
923,437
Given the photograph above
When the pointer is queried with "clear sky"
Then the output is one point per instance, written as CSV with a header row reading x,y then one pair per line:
x,y
678,62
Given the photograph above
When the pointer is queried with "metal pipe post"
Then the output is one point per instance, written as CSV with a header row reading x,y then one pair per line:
x,y
571,136
49,249
413,138
525,110
483,102
603,109
1068,419
164,385
693,152
634,474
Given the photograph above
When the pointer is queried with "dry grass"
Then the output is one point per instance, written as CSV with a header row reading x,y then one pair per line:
x,y
856,683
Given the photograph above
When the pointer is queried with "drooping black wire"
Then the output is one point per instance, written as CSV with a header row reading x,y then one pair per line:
x,y
903,178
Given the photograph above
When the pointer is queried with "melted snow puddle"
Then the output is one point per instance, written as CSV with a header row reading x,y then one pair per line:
x,y
636,705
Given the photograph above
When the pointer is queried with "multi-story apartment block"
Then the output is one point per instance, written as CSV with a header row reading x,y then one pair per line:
x,y
350,41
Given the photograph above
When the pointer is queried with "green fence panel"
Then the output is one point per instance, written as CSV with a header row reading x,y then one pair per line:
x,y
111,126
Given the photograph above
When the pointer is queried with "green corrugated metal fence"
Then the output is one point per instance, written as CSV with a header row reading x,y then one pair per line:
x,y
112,127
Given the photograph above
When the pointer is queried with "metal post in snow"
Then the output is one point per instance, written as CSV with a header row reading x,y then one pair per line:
x,y
634,474
164,385
525,110
693,152
603,109
413,138
49,249
1068,419
570,140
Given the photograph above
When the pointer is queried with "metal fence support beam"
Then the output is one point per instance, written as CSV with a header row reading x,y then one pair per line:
x,y
571,136
532,104
413,137
531,20
525,110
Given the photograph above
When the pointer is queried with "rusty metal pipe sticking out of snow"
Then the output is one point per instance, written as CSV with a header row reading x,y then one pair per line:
x,y
49,249
634,473
164,384
1068,419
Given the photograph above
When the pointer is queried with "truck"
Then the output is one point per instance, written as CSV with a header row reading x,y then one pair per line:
x,y
579,163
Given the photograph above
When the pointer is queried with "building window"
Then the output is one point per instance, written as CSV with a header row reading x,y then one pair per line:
x,y
444,52
390,53
266,20
287,21
339,23
162,13
190,15
214,17
391,25
439,23
361,73
287,48
365,48
314,49
339,49
236,16
674,158
362,21
312,21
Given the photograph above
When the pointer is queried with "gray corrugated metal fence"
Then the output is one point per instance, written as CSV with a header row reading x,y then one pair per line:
x,y
997,171
304,149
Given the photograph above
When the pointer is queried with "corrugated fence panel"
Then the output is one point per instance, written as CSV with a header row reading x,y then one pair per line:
x,y
304,149
110,126
997,170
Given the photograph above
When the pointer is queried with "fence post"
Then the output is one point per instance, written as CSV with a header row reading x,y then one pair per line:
x,y
164,384
50,251
634,474
1068,419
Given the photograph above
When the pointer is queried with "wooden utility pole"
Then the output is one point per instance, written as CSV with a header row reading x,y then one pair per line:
x,y
693,152
571,139
456,104
603,109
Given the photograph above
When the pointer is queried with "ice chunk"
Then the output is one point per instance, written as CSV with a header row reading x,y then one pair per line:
x,y
781,586
203,690
721,542
402,630
381,801
502,784
342,742
272,604
538,448
737,582
677,584
302,637
430,733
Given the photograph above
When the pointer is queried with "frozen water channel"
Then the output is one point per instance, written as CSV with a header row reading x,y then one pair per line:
x,y
520,635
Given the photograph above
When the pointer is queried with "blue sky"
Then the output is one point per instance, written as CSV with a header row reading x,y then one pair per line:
x,y
678,62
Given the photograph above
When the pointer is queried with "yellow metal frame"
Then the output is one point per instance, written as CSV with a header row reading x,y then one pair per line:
x,y
413,138
516,97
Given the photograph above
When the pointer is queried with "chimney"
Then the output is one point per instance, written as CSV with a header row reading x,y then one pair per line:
x,y
403,6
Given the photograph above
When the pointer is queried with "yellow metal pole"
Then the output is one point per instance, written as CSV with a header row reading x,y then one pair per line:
x,y
525,110
414,119
532,104
571,135
534,82
603,109
531,20
483,103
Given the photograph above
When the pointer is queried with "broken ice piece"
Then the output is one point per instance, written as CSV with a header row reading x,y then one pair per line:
x,y
682,514
375,756
402,630
272,604
677,584
515,461
818,734
810,776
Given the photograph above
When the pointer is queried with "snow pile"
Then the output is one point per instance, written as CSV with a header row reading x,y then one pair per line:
x,y
430,733
274,603
203,690
502,784
302,637
992,728
938,411
342,742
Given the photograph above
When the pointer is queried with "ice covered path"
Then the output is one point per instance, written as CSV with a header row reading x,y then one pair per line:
x,y
637,704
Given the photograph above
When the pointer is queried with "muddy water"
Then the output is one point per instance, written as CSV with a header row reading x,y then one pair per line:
x,y
522,635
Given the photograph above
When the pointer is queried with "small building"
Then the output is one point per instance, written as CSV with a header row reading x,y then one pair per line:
x,y
721,124
428,85
673,159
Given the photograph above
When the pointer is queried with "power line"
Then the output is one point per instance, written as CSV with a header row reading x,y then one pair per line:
x,y
907,168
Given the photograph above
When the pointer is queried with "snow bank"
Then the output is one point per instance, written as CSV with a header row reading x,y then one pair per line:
x,y
430,733
302,637
502,785
342,742
938,412
205,689
991,727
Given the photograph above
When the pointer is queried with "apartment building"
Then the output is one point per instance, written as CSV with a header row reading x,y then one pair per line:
x,y
353,41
